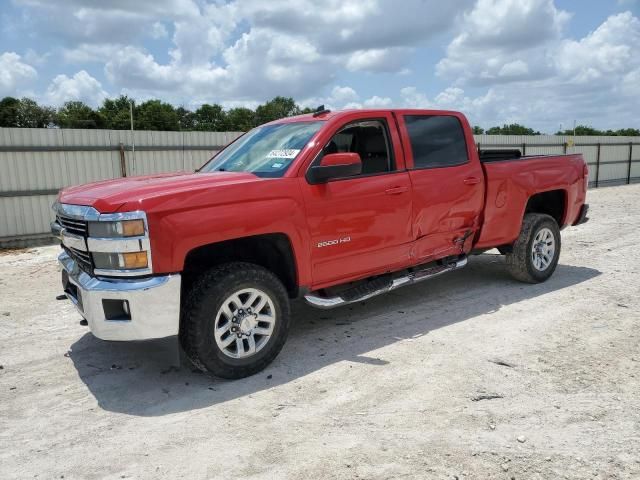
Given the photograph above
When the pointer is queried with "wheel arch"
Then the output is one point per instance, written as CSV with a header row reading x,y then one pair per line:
x,y
273,251
551,202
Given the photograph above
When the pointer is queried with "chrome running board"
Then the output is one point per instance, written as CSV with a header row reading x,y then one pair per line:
x,y
383,284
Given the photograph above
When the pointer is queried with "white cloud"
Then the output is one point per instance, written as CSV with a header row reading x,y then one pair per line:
x,y
499,38
506,60
550,81
608,51
378,60
88,52
243,51
14,73
81,86
104,21
377,102
158,30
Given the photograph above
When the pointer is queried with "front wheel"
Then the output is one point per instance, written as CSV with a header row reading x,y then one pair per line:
x,y
535,253
235,320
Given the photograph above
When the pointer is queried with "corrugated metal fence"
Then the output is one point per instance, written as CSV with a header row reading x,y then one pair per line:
x,y
36,163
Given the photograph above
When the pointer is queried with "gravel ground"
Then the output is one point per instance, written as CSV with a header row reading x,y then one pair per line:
x,y
471,375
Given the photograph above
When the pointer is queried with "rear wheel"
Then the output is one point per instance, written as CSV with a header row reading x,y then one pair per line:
x,y
235,320
535,253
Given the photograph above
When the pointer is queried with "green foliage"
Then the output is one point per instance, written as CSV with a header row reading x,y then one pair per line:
x,y
512,129
585,130
279,107
210,118
186,119
78,115
240,119
9,112
114,113
156,115
25,113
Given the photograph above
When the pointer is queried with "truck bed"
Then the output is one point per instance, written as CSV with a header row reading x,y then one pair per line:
x,y
510,182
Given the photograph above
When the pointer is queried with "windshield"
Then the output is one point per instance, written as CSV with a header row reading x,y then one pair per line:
x,y
265,151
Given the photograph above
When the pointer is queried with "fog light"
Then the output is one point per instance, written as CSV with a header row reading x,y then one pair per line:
x,y
134,260
116,310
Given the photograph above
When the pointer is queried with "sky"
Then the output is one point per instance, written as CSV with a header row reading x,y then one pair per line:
x,y
542,63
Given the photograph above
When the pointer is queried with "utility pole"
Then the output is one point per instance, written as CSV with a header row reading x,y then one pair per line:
x,y
133,142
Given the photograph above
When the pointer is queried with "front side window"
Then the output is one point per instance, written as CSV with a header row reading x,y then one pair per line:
x,y
368,139
265,151
436,141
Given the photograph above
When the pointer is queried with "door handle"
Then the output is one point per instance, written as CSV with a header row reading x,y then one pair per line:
x,y
471,181
396,190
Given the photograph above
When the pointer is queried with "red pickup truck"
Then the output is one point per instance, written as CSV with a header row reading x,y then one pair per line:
x,y
331,207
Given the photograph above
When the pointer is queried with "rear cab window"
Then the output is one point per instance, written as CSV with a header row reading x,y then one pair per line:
x,y
437,141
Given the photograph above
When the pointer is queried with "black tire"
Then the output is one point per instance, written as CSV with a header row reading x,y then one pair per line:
x,y
520,263
199,315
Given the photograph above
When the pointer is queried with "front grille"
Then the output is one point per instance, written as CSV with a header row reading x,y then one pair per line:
x,y
72,225
83,259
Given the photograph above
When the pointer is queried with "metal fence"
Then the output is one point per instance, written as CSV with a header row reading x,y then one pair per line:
x,y
36,163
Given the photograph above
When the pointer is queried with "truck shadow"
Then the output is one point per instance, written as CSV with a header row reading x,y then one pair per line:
x,y
137,378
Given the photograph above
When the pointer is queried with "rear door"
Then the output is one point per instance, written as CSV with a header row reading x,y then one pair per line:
x,y
447,183
360,225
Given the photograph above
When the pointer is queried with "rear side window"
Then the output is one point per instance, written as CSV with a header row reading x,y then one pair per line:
x,y
436,141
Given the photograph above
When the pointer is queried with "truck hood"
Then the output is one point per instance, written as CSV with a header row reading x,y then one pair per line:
x,y
111,195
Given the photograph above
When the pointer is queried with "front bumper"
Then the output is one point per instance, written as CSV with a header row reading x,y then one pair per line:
x,y
152,303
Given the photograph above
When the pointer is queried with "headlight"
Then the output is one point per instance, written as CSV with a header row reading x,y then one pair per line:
x,y
119,229
121,261
119,244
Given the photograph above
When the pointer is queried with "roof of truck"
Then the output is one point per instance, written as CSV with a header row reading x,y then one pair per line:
x,y
328,115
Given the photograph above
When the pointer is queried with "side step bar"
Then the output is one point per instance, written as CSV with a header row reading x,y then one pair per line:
x,y
383,284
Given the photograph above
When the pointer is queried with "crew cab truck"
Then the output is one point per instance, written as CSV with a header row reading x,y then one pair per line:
x,y
331,207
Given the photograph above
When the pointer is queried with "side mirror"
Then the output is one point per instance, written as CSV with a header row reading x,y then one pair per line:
x,y
335,165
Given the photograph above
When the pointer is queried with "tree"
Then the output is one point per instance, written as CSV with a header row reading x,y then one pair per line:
x,y
78,115
279,107
585,130
156,115
116,112
628,132
581,130
9,112
210,118
478,130
240,119
512,129
186,118
32,115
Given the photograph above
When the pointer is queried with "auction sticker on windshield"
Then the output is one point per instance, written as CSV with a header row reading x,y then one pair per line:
x,y
287,153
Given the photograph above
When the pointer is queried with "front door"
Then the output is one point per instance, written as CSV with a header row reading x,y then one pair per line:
x,y
361,225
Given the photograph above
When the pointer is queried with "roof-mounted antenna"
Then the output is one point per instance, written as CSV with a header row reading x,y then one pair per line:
x,y
320,111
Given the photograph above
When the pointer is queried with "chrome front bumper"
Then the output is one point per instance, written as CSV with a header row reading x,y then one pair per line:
x,y
152,303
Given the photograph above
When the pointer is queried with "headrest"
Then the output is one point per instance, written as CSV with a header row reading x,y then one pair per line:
x,y
374,143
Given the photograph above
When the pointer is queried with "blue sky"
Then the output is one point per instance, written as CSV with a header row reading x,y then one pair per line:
x,y
538,62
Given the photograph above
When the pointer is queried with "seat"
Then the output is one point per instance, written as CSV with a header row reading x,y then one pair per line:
x,y
373,152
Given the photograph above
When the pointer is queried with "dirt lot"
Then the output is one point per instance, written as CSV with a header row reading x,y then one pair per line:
x,y
399,387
